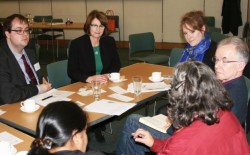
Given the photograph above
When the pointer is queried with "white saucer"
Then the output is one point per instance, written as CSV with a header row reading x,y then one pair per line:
x,y
36,108
117,81
151,79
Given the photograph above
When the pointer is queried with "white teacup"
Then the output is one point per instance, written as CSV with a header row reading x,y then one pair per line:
x,y
156,76
28,105
115,76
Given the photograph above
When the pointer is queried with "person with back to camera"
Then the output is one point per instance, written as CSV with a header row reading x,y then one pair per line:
x,y
61,130
199,109
93,56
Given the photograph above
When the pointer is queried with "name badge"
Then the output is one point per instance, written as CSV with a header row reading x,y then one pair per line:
x,y
37,66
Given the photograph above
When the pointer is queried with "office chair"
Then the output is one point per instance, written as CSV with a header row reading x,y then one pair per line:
x,y
217,37
57,73
47,36
210,21
142,48
248,89
175,55
245,32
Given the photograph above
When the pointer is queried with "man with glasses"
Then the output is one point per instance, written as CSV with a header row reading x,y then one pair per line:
x,y
231,57
20,72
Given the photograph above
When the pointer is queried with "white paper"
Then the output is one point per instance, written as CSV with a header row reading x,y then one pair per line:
x,y
150,87
121,97
13,140
56,95
109,107
80,104
118,90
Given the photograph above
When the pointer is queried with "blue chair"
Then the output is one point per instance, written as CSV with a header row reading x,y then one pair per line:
x,y
57,73
142,48
175,55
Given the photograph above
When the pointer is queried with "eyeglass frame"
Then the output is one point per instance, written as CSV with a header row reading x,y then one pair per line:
x,y
224,61
21,32
102,27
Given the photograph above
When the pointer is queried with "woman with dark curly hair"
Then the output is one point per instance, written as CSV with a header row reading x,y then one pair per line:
x,y
199,108
61,130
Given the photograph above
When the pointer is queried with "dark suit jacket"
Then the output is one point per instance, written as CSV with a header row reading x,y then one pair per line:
x,y
13,86
81,61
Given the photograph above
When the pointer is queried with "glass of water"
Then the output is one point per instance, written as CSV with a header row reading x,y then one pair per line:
x,y
96,88
137,84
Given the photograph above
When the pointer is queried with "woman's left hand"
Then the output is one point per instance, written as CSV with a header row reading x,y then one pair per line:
x,y
144,137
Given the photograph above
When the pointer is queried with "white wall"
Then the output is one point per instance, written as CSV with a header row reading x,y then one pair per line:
x,y
162,17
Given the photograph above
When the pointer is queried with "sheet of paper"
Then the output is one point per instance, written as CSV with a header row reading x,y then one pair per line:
x,y
109,107
52,96
88,92
121,97
118,90
6,136
150,87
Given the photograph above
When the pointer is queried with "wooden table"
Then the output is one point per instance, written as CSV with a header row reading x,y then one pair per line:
x,y
27,122
27,140
47,25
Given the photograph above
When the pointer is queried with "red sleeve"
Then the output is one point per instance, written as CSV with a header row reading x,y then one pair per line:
x,y
158,145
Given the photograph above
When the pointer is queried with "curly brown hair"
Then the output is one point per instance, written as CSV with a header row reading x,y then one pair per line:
x,y
196,94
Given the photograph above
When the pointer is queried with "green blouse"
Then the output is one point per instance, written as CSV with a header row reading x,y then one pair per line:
x,y
98,60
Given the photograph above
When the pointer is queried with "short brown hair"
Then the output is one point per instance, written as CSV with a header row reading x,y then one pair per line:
x,y
101,17
7,25
194,19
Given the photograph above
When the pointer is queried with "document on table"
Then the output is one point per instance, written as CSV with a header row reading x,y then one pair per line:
x,y
108,107
118,90
6,136
121,97
52,96
150,87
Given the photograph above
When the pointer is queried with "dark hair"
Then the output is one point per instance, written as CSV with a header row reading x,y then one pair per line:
x,y
101,17
194,19
196,94
241,48
55,126
7,25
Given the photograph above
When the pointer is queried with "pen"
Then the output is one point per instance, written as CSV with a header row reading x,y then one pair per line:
x,y
47,97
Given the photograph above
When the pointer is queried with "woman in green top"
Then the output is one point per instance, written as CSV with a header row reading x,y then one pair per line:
x,y
94,55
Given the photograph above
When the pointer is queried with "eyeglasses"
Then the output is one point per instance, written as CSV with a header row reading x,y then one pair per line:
x,y
224,60
97,26
178,85
20,32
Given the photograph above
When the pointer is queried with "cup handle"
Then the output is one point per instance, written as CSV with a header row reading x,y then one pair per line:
x,y
22,104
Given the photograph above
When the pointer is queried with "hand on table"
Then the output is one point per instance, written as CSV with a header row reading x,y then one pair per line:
x,y
45,86
102,78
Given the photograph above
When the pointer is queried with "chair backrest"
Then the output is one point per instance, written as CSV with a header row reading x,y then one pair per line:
x,y
141,42
210,21
41,18
217,37
248,86
245,32
57,73
175,55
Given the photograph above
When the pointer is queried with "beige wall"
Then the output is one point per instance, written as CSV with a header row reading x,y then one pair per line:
x,y
161,17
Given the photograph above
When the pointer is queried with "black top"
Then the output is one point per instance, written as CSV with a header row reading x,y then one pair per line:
x,y
209,54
